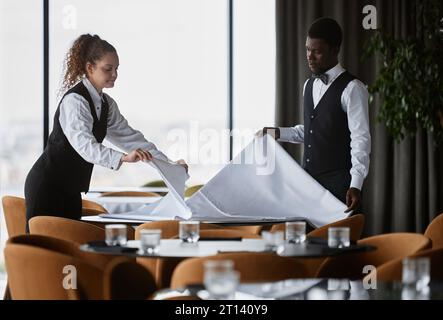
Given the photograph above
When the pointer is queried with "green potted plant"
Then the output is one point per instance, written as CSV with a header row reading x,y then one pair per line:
x,y
410,81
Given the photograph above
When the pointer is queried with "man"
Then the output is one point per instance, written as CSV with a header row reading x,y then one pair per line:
x,y
335,133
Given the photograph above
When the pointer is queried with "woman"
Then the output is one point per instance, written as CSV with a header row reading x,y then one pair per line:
x,y
84,118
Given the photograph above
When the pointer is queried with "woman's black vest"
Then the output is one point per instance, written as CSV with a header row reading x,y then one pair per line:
x,y
62,163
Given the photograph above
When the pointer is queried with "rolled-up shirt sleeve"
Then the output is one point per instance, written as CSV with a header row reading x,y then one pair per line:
x,y
122,135
76,122
292,134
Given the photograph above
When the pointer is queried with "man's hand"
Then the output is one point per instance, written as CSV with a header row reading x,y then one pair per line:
x,y
137,155
273,131
353,199
183,164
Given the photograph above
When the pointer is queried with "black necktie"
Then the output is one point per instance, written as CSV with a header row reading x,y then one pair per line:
x,y
323,77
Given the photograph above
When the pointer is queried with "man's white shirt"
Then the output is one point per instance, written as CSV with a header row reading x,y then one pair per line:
x,y
77,121
354,102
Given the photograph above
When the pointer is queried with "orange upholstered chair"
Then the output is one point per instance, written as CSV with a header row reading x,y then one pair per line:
x,y
434,231
67,229
62,246
127,280
389,247
162,268
39,273
169,228
14,209
71,230
88,204
227,233
392,270
355,223
91,212
253,267
36,263
247,229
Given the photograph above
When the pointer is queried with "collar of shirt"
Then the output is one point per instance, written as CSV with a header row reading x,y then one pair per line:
x,y
333,73
97,98
320,88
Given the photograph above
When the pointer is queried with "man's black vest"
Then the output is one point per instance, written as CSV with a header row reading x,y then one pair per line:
x,y
63,163
327,138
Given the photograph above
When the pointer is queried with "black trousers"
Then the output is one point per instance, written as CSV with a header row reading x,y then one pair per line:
x,y
337,182
46,197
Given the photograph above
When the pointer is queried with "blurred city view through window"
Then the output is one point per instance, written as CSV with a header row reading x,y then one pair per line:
x,y
172,84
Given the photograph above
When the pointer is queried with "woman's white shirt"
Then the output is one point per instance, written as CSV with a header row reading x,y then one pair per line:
x,y
77,121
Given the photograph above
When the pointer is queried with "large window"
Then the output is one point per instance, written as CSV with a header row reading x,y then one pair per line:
x,y
21,91
172,81
254,68
173,75
21,97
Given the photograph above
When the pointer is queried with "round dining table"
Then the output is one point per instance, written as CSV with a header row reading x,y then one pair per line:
x,y
175,248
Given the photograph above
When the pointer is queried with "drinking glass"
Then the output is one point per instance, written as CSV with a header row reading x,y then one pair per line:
x,y
150,240
338,237
220,279
295,231
189,231
423,273
116,234
273,240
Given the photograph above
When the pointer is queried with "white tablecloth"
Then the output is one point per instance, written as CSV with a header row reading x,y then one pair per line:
x,y
122,204
264,182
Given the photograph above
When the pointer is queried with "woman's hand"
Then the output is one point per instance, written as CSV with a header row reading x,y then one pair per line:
x,y
183,164
137,155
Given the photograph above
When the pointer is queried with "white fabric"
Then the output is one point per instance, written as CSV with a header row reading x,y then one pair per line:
x,y
102,219
169,207
354,101
122,204
266,187
262,183
76,122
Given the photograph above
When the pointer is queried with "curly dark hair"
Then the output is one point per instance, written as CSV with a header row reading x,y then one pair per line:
x,y
86,48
